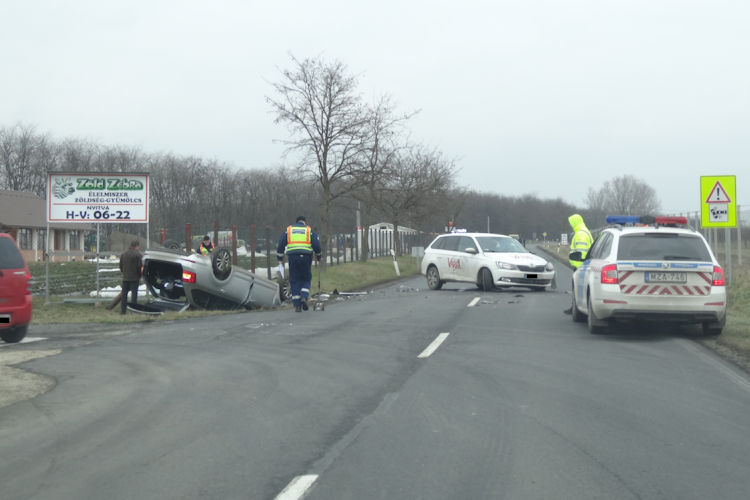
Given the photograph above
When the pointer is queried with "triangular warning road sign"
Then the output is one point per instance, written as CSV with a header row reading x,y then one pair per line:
x,y
718,194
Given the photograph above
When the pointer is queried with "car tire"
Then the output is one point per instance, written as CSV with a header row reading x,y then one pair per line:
x,y
577,315
171,244
14,335
285,290
486,276
594,328
221,262
433,278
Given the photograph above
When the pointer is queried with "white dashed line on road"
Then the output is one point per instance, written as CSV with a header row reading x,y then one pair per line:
x,y
435,344
474,302
297,488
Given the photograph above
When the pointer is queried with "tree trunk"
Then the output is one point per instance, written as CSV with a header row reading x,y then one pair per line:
x,y
323,235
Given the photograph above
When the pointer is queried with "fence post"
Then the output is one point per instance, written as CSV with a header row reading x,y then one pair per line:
x,y
216,233
338,254
188,238
315,258
268,251
330,246
234,244
252,248
343,236
356,243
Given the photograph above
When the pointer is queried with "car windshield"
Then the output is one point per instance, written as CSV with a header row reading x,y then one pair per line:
x,y
500,244
10,257
662,246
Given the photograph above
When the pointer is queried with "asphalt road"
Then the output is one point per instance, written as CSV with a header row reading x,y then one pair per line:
x,y
401,394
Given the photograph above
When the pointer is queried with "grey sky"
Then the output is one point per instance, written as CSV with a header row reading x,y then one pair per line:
x,y
550,97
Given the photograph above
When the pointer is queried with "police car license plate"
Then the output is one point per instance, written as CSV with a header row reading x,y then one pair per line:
x,y
666,277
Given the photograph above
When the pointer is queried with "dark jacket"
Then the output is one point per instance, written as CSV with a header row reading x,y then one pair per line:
x,y
130,265
314,241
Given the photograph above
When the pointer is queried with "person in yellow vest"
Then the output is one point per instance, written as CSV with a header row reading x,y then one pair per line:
x,y
206,246
582,239
300,242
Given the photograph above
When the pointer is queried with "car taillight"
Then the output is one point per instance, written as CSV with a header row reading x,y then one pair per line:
x,y
718,277
28,284
188,277
609,275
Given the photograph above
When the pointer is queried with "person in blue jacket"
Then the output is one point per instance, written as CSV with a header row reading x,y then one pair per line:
x,y
300,242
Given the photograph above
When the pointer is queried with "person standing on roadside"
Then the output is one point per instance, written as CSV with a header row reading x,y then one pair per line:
x,y
299,241
131,262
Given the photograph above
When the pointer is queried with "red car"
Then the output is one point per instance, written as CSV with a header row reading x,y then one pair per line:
x,y
15,294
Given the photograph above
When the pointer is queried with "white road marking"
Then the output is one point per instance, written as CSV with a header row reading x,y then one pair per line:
x,y
474,302
435,344
297,488
26,340
734,377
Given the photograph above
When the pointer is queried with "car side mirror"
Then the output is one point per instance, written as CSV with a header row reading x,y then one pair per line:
x,y
577,257
471,250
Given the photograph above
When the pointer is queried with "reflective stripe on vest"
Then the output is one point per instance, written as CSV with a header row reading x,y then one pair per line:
x,y
298,238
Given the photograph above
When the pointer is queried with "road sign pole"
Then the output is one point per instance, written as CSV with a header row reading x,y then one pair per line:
x,y
728,237
739,236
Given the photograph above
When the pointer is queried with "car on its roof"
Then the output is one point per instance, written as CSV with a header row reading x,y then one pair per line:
x,y
177,280
491,261
15,294
649,269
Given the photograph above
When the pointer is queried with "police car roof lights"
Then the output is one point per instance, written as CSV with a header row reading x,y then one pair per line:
x,y
646,220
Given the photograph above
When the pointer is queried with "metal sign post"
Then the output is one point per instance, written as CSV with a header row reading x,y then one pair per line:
x,y
719,209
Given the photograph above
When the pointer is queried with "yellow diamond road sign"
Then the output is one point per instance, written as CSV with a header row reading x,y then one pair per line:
x,y
718,201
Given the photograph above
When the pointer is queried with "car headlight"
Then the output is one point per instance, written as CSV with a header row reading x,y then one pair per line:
x,y
503,265
549,267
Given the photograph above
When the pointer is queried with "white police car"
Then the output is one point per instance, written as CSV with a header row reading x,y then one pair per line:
x,y
651,269
487,260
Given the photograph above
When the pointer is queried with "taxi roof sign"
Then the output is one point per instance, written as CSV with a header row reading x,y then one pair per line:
x,y
718,208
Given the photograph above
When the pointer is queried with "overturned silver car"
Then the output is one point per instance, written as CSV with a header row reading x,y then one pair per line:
x,y
177,280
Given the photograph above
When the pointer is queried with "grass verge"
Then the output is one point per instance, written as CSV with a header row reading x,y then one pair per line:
x,y
356,276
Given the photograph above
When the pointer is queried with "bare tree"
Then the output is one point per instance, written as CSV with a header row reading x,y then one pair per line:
x,y
319,104
597,205
627,195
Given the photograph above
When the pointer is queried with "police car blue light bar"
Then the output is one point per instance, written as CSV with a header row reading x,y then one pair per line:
x,y
645,219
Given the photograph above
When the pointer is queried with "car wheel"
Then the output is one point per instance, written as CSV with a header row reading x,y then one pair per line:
x,y
707,330
285,290
578,316
486,280
433,278
171,244
593,327
13,335
221,261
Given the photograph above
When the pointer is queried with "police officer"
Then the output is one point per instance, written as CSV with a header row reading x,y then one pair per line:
x,y
582,239
581,242
206,246
299,241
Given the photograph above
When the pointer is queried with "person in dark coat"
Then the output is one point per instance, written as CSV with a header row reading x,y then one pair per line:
x,y
131,262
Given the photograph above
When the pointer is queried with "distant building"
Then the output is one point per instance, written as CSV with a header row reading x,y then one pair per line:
x,y
24,217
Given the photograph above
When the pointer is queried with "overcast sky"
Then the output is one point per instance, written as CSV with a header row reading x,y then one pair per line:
x,y
545,97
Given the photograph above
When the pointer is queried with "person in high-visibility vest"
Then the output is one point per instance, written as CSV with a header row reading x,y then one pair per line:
x,y
206,246
582,239
300,242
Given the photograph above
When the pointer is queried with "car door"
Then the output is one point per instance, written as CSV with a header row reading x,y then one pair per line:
x,y
584,274
450,260
466,269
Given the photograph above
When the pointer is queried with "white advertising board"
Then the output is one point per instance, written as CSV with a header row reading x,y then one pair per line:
x,y
117,198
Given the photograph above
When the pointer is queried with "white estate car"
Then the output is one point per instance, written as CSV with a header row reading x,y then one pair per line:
x,y
661,272
487,260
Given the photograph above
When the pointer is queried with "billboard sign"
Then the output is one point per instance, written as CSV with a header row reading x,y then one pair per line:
x,y
118,198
